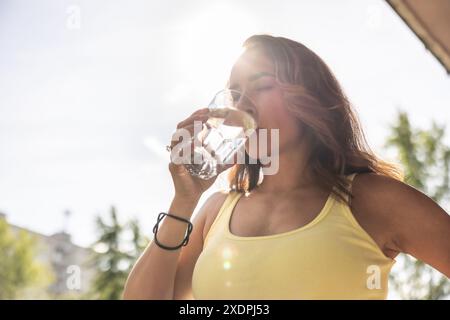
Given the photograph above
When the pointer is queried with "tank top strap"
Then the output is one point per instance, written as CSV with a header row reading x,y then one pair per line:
x,y
222,218
350,177
230,201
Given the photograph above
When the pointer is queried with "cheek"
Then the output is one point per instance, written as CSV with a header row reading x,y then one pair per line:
x,y
271,110
288,132
282,122
273,115
278,117
289,127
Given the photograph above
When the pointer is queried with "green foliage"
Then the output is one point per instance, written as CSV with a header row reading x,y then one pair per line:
x,y
426,162
20,273
117,255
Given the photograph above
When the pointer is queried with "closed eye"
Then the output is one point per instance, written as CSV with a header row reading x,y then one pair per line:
x,y
264,88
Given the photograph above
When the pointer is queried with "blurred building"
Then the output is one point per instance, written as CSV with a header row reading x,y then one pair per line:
x,y
65,259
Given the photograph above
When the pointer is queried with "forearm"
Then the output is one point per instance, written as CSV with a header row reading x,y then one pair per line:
x,y
153,275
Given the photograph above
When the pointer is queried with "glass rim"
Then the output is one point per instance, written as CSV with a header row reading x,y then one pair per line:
x,y
229,90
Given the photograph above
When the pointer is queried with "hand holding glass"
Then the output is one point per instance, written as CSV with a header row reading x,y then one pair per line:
x,y
222,136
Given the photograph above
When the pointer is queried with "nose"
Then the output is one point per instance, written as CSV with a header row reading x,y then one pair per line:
x,y
245,104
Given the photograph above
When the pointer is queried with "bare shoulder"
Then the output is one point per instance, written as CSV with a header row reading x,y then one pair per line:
x,y
374,207
393,208
211,208
413,222
364,182
382,197
379,191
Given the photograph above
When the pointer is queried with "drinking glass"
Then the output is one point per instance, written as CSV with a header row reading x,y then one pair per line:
x,y
222,135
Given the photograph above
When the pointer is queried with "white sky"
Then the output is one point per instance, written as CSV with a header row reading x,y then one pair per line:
x,y
85,113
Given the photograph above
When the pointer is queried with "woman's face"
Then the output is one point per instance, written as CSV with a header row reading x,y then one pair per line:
x,y
253,75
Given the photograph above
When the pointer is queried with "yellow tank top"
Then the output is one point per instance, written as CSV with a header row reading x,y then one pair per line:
x,y
331,257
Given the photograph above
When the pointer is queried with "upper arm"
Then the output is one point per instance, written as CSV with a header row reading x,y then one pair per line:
x,y
417,224
190,253
423,228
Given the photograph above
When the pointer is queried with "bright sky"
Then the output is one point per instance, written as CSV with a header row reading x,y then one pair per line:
x,y
85,112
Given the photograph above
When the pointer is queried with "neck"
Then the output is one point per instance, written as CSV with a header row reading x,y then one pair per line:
x,y
293,172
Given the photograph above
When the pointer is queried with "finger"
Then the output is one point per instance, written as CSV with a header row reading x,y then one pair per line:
x,y
186,136
179,149
181,135
186,130
177,170
198,114
201,111
199,117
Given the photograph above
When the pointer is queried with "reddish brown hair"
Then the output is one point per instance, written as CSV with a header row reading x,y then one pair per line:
x,y
331,126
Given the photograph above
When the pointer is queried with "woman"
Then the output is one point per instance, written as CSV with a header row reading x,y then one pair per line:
x,y
327,225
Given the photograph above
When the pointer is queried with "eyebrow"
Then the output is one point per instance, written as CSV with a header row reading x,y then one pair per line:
x,y
256,76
